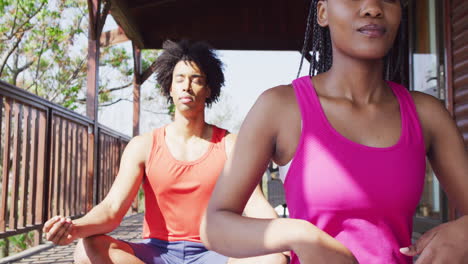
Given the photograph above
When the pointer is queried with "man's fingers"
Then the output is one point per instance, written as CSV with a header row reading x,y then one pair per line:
x,y
48,225
56,231
66,232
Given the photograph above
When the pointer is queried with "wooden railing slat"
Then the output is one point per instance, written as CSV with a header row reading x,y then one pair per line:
x,y
16,167
6,166
41,203
24,176
33,169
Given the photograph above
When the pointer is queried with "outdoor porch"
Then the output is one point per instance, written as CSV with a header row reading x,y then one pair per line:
x,y
129,230
57,162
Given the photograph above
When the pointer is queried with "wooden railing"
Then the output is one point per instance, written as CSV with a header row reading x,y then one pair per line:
x,y
50,163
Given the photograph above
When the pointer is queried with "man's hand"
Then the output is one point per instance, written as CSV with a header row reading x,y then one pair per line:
x,y
446,243
59,230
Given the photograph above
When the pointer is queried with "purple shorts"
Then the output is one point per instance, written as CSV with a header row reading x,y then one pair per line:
x,y
155,251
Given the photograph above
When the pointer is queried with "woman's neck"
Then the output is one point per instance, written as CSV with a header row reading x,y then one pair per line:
x,y
357,80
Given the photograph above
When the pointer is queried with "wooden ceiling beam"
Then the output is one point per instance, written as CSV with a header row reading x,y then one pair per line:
x,y
153,3
242,43
113,37
121,13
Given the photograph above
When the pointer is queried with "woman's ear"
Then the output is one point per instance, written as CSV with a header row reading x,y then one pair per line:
x,y
322,13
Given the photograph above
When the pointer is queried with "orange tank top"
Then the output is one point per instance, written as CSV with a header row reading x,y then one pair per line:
x,y
177,192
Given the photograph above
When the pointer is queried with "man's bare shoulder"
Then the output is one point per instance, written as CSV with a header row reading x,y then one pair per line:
x,y
140,146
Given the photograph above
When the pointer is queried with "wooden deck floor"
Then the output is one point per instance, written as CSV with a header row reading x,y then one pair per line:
x,y
129,230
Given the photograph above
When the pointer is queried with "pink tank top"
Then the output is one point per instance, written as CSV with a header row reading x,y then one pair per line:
x,y
363,196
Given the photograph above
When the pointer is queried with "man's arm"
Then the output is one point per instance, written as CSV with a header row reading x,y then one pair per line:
x,y
108,214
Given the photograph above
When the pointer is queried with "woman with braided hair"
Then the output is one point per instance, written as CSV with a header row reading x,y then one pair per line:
x,y
352,146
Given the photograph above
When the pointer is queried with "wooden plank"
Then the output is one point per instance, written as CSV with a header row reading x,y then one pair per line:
x,y
64,170
93,10
40,164
79,164
24,176
109,162
103,174
90,170
53,167
136,90
102,19
84,170
106,165
108,171
18,114
457,72
101,177
57,174
33,168
448,57
74,175
115,157
92,80
6,165
121,14
113,37
104,168
71,163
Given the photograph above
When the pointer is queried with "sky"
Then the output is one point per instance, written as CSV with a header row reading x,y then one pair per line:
x,y
247,75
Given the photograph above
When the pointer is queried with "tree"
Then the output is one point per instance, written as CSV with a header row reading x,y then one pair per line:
x,y
43,49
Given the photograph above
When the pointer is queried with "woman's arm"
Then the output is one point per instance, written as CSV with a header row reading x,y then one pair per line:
x,y
447,155
225,230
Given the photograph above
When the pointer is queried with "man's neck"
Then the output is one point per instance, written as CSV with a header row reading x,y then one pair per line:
x,y
189,127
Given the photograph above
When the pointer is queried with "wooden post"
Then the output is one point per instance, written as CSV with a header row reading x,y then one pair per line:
x,y
92,97
137,81
136,90
451,214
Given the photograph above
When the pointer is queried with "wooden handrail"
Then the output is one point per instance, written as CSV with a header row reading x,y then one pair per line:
x,y
44,160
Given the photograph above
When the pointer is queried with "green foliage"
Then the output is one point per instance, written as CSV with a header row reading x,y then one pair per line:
x,y
17,243
141,200
43,49
171,109
21,242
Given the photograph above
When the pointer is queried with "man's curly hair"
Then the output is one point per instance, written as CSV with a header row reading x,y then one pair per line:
x,y
202,54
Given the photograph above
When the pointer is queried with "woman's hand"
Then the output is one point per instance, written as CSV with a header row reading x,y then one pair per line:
x,y
322,249
59,230
446,243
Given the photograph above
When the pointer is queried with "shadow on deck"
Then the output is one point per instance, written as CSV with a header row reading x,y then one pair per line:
x,y
129,230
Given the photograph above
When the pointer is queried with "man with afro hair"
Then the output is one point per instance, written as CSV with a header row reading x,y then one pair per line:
x,y
178,165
